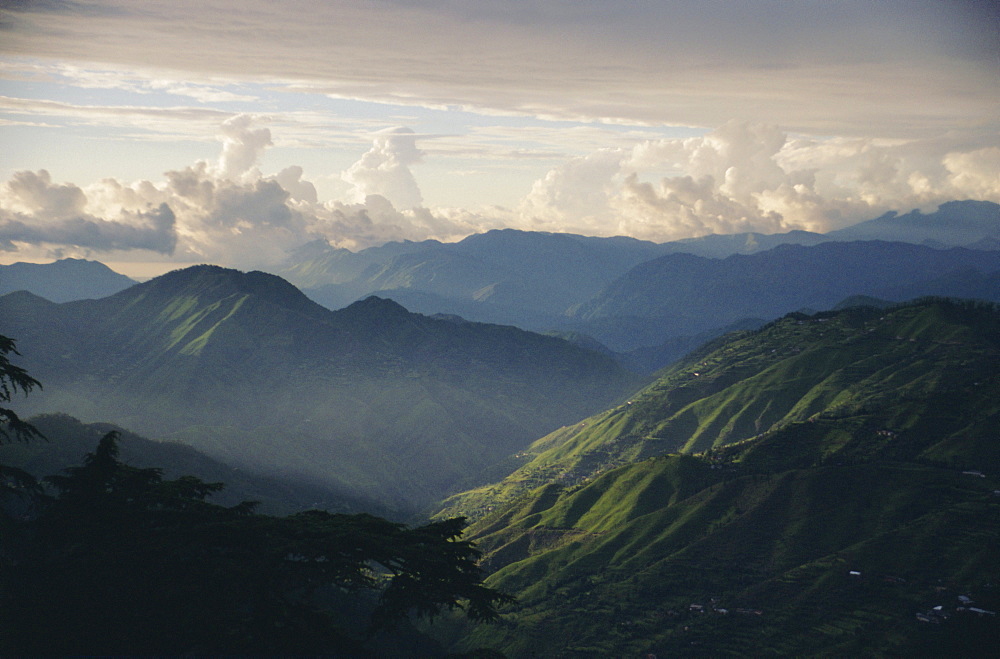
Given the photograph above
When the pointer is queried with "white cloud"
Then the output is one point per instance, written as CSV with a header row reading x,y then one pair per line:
x,y
225,211
290,178
752,177
975,173
33,210
576,195
186,121
242,145
740,177
384,169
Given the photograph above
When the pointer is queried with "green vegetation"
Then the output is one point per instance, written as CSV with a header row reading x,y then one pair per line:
x,y
823,531
825,485
14,378
912,364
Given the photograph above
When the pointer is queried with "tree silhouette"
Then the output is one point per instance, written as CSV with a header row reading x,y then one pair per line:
x,y
12,428
122,561
13,378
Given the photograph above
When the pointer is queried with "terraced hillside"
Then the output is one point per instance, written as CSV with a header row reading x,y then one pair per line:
x,y
867,497
919,360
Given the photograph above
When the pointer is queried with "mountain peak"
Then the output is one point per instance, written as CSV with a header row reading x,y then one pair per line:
x,y
209,282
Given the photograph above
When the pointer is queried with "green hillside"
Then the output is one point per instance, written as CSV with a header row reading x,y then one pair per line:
x,y
867,496
374,400
798,369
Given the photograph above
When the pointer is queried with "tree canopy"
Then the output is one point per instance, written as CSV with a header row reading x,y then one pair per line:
x,y
121,560
115,559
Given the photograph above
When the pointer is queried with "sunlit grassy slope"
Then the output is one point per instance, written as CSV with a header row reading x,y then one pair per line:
x,y
798,369
819,446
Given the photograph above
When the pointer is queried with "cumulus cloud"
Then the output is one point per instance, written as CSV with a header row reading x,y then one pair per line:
x,y
35,210
384,170
290,178
226,211
576,194
223,212
754,177
740,177
242,145
976,173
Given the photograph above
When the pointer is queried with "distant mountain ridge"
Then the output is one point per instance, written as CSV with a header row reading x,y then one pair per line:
x,y
522,278
954,224
970,224
63,280
378,401
681,294
559,282
650,303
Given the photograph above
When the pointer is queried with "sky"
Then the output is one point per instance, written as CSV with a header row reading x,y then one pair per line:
x,y
154,134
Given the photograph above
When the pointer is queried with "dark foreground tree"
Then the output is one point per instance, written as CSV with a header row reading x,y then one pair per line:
x,y
12,427
12,379
121,561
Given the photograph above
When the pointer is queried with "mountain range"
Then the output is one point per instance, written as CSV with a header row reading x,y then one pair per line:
x,y
389,405
647,303
826,485
792,482
615,290
681,294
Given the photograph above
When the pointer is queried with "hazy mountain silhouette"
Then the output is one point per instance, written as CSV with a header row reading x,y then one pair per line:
x,y
64,280
373,399
682,294
954,224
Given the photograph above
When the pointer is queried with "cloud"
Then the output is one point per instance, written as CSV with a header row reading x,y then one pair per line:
x,y
576,194
226,211
166,119
825,68
290,178
31,192
975,173
753,177
739,177
34,210
151,230
242,144
384,169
